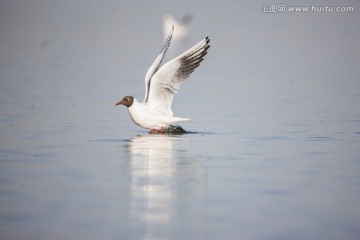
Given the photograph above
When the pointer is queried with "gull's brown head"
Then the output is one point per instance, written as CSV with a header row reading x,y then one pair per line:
x,y
126,101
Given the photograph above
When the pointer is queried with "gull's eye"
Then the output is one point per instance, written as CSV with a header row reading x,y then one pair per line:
x,y
126,99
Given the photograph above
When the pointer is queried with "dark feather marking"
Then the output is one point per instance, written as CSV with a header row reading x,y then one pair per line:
x,y
191,61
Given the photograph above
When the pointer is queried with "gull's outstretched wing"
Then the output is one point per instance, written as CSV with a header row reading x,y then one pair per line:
x,y
155,66
166,81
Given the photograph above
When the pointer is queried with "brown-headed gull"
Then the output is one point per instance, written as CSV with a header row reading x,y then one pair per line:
x,y
154,112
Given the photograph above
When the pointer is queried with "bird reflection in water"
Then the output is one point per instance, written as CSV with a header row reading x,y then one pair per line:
x,y
162,175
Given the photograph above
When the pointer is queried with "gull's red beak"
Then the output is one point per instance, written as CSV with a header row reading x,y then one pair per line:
x,y
119,103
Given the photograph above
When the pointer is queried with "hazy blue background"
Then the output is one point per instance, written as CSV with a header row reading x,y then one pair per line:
x,y
276,104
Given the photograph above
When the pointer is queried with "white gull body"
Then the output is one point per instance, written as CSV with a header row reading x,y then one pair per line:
x,y
154,112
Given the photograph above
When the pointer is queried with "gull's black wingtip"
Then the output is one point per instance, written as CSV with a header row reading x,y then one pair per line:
x,y
207,39
207,42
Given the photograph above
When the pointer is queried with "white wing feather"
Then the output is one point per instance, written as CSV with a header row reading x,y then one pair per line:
x,y
166,81
155,66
